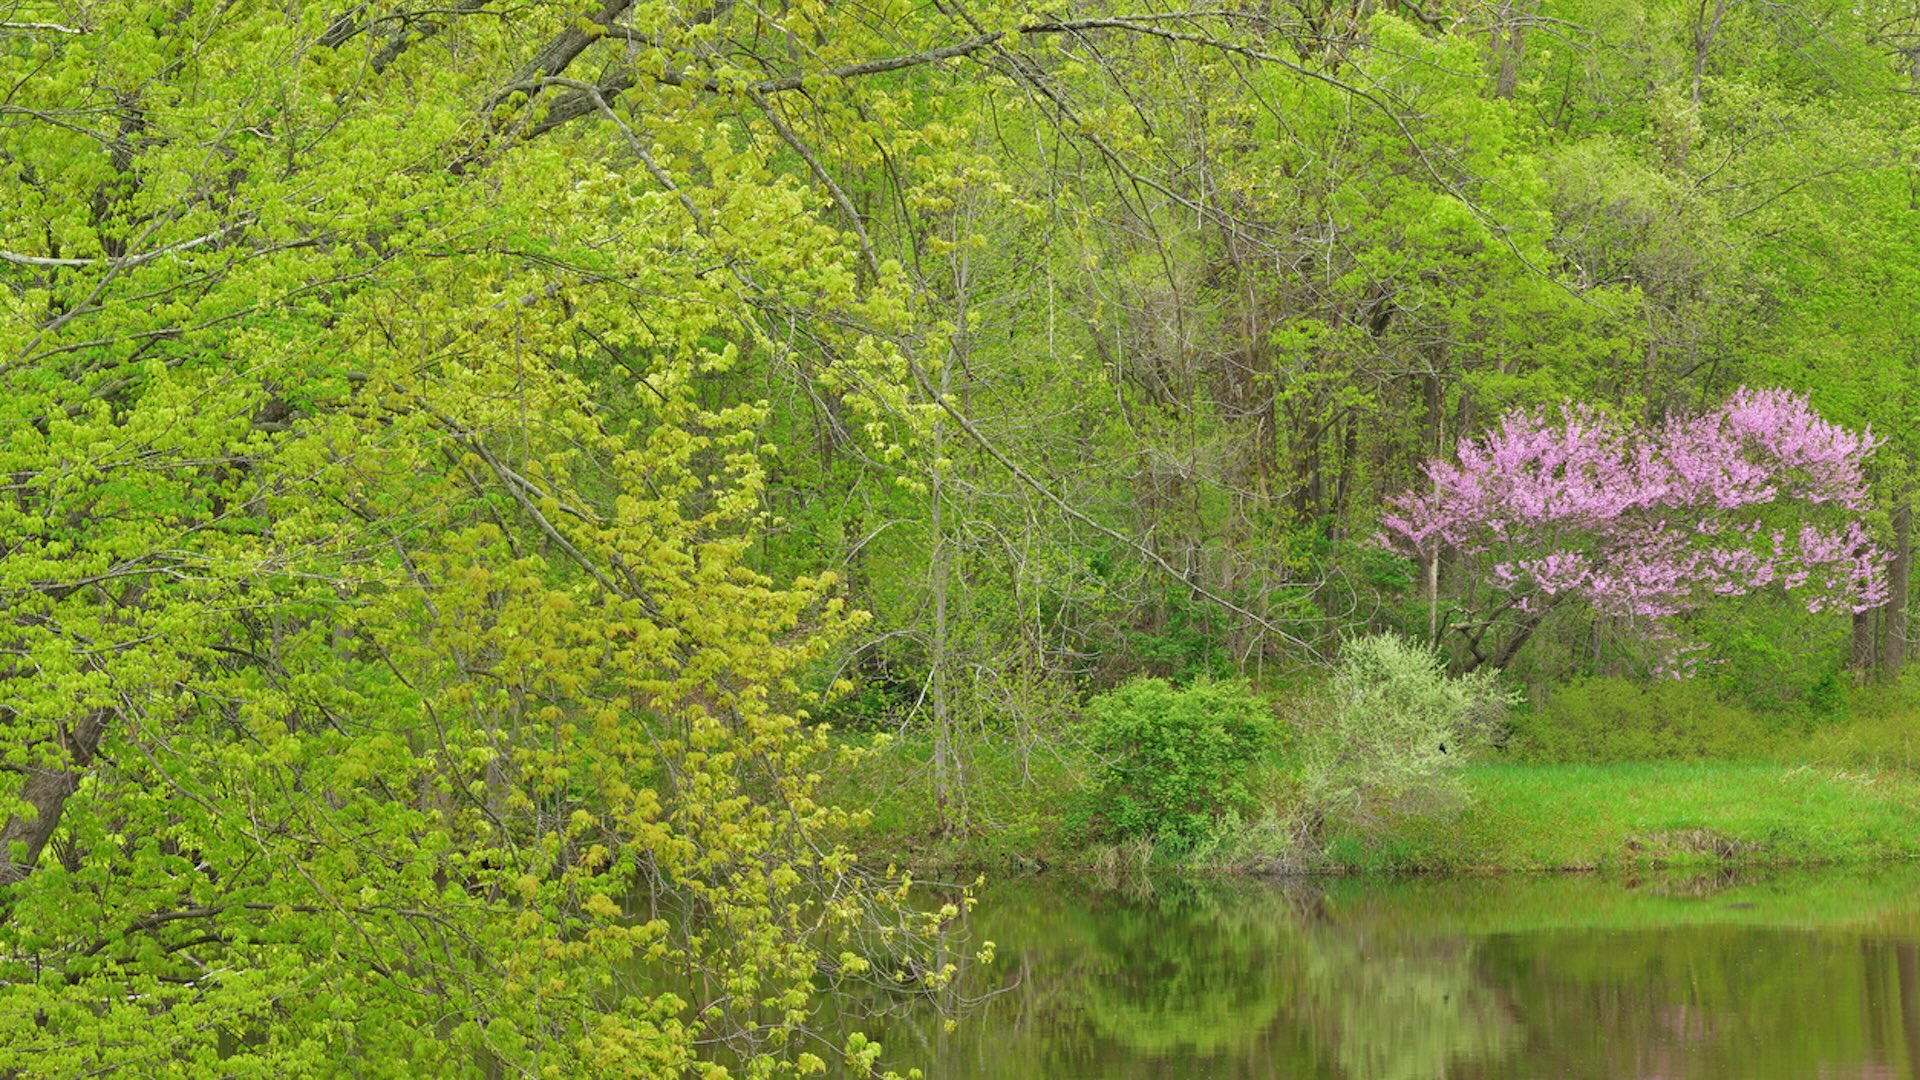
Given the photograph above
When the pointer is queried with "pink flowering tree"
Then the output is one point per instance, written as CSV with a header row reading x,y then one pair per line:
x,y
1649,522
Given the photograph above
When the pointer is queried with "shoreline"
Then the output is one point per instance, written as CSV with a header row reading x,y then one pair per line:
x,y
1518,819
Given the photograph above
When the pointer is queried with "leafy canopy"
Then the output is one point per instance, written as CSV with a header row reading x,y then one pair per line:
x,y
385,686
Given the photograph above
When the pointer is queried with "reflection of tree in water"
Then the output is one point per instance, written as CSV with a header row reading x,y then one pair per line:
x,y
1185,970
1711,1001
1206,970
1397,1009
1186,978
1406,980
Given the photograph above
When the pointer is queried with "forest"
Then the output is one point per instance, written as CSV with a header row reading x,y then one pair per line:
x,y
531,531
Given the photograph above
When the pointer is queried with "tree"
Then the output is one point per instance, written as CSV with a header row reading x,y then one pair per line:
x,y
1648,523
385,684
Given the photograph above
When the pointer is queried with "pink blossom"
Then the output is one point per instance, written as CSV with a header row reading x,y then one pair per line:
x,y
1651,522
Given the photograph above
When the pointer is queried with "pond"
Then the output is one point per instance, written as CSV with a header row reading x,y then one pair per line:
x,y
1808,974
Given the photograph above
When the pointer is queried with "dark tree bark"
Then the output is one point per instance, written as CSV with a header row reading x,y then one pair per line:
x,y
1523,630
46,789
1705,29
1861,662
1893,633
1510,46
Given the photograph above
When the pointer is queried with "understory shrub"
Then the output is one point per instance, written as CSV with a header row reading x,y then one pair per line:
x,y
1603,720
1880,731
1393,733
1769,656
1876,743
1171,760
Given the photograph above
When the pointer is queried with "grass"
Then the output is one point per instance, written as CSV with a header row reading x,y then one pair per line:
x,y
1584,817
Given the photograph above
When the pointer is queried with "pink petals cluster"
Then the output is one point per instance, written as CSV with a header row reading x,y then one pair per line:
x,y
1652,522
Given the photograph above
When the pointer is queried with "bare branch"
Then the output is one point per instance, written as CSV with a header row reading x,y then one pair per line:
x,y
127,262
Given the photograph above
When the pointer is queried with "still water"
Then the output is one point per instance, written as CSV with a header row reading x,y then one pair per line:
x,y
1803,975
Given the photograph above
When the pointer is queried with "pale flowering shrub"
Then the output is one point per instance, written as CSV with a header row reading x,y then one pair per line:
x,y
1391,735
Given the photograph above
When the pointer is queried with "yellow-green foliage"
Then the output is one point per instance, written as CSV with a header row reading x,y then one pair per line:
x,y
1608,720
1880,731
379,636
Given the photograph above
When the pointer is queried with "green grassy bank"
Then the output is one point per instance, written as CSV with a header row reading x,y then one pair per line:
x,y
1582,817
1516,817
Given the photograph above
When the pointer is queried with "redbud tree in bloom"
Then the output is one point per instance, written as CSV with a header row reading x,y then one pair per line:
x,y
1651,522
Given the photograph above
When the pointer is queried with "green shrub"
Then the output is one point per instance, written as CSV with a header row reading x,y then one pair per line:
x,y
1169,760
1189,645
1605,720
1879,730
1774,659
1875,743
1394,733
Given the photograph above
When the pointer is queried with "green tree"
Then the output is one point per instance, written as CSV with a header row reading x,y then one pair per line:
x,y
383,671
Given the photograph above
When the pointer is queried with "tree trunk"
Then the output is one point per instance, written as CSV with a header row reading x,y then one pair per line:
x,y
1435,437
1704,32
1893,641
1861,662
1510,43
1433,597
1523,631
942,715
945,756
1520,637
46,789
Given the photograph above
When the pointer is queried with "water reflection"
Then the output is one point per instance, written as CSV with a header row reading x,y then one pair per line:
x,y
1704,976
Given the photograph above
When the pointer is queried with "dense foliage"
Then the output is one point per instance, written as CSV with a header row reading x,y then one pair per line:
x,y
387,683
1602,720
1172,759
451,455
